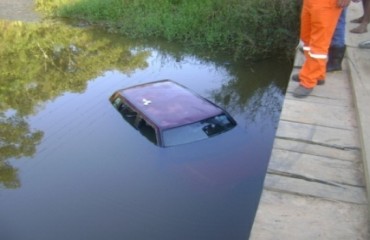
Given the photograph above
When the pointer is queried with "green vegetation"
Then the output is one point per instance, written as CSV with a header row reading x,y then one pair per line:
x,y
250,29
42,61
17,140
39,63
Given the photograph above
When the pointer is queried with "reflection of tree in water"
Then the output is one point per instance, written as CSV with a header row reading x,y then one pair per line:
x,y
8,176
256,92
253,90
16,140
39,63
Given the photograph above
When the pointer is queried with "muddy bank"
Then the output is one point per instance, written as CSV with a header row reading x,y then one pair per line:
x,y
20,10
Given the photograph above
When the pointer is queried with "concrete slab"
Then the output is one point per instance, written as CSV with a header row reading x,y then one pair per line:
x,y
359,65
318,182
308,218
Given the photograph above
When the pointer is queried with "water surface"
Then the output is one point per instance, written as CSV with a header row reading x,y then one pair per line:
x,y
72,168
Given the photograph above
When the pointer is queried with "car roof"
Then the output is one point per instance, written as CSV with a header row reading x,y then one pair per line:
x,y
168,104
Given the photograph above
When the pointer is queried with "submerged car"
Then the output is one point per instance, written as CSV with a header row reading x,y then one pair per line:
x,y
202,177
169,114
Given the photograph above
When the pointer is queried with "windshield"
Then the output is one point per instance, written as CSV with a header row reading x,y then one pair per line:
x,y
197,131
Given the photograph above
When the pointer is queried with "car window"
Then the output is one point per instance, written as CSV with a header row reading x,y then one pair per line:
x,y
135,120
127,113
197,131
148,131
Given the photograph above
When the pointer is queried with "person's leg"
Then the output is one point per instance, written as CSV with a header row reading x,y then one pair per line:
x,y
337,46
338,39
367,12
323,20
362,28
359,20
306,30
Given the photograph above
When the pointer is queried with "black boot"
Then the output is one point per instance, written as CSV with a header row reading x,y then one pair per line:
x,y
335,56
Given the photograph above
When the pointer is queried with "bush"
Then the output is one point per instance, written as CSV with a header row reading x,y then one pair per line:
x,y
244,28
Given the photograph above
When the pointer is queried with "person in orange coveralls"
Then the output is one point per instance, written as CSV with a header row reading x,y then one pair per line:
x,y
318,21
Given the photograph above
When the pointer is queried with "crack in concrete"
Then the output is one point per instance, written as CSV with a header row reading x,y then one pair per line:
x,y
348,148
310,179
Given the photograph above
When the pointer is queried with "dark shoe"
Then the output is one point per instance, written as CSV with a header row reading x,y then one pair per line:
x,y
321,82
295,78
335,56
300,48
302,92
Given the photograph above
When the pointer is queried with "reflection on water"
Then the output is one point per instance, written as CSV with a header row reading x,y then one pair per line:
x,y
40,63
70,168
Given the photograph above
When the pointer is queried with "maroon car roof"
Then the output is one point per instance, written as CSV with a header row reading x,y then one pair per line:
x,y
168,104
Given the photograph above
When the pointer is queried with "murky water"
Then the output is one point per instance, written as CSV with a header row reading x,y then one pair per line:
x,y
72,168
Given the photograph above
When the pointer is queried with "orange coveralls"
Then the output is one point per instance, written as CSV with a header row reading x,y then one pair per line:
x,y
318,21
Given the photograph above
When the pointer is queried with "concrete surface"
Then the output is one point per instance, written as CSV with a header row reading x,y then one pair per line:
x,y
359,65
18,10
317,183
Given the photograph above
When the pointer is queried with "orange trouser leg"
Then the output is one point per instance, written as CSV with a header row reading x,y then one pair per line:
x,y
318,22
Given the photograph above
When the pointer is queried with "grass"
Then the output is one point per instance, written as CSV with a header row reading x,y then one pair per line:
x,y
250,29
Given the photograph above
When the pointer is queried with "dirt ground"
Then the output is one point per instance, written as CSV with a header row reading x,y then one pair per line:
x,y
18,10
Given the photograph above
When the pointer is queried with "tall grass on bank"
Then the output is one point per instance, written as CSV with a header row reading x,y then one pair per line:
x,y
250,29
